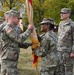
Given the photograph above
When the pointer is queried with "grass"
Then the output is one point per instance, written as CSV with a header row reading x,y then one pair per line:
x,y
25,62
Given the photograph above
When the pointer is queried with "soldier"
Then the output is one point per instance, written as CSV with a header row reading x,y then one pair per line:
x,y
1,27
11,38
0,33
1,20
65,41
4,23
0,41
48,48
18,29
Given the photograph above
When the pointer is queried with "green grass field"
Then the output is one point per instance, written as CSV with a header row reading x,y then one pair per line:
x,y
25,63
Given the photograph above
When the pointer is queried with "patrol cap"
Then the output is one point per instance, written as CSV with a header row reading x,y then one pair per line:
x,y
15,13
47,21
65,10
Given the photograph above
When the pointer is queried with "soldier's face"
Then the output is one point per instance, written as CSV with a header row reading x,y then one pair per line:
x,y
64,15
44,27
16,20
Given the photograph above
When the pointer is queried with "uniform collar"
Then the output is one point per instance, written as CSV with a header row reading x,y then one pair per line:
x,y
67,22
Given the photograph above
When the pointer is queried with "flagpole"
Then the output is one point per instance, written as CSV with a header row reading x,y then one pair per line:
x,y
33,35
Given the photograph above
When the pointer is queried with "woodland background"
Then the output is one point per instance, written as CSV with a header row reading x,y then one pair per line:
x,y
41,9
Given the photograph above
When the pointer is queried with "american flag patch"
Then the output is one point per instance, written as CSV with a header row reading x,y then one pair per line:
x,y
9,30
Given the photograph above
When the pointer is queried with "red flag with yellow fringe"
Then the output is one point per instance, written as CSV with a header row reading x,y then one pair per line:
x,y
33,35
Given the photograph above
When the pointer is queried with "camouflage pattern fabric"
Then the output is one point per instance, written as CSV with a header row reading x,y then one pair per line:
x,y
9,67
1,27
65,46
47,53
10,49
24,44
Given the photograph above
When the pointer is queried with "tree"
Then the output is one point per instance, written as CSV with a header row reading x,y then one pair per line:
x,y
41,8
7,5
50,8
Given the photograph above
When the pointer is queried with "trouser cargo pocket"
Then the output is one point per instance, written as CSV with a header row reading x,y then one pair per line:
x,y
10,54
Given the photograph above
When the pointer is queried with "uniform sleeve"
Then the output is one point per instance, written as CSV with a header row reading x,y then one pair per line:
x,y
24,45
1,27
12,34
72,35
44,48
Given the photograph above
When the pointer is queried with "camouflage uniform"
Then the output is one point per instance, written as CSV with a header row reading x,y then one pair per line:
x,y
10,49
1,27
0,40
0,48
1,20
0,32
47,51
24,44
65,45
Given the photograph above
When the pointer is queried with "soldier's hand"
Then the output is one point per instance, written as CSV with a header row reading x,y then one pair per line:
x,y
27,44
31,26
72,55
30,43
